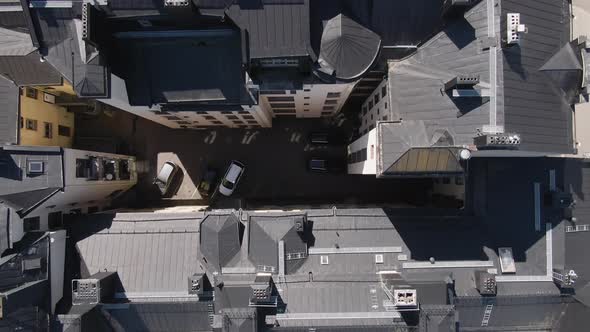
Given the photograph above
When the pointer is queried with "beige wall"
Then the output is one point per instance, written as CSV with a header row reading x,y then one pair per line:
x,y
44,112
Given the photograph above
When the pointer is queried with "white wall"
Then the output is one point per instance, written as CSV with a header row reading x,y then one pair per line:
x,y
367,141
310,101
57,256
379,111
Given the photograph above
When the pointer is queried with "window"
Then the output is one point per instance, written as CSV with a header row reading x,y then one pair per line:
x,y
237,122
31,124
293,92
201,112
243,112
333,95
64,131
31,93
209,117
283,105
22,122
216,122
183,122
364,110
48,133
384,118
248,117
331,102
446,180
363,154
232,117
328,108
306,90
370,105
385,105
252,122
459,181
124,172
371,127
35,167
283,111
82,168
324,260
378,110
383,91
305,97
326,113
273,99
171,117
54,219
225,112
31,224
376,98
379,259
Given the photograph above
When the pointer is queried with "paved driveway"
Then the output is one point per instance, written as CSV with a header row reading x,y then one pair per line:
x,y
275,161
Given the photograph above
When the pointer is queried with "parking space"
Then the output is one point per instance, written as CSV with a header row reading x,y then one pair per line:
x,y
275,161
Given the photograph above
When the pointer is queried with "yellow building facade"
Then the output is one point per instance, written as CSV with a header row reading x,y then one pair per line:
x,y
42,122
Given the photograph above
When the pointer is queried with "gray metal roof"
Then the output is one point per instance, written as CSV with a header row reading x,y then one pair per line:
x,y
150,257
15,43
565,69
275,28
29,70
347,47
13,178
534,107
415,83
220,239
9,111
265,232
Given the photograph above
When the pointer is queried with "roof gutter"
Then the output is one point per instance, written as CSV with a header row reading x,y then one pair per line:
x,y
30,25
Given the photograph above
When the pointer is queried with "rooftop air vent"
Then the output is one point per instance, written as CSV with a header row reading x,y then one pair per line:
x,y
462,82
197,284
491,141
261,291
300,222
405,298
175,3
95,289
485,283
514,29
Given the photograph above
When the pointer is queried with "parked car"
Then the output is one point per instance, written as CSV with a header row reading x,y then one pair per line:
x,y
166,176
320,138
207,184
324,165
231,178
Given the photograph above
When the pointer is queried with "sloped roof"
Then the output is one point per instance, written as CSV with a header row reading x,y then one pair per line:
x,y
15,43
220,239
23,201
565,70
265,233
347,47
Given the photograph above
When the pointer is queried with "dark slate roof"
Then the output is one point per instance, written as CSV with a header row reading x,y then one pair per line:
x,y
162,316
15,43
534,107
265,233
13,20
239,320
347,47
9,111
565,69
13,275
161,67
275,28
220,239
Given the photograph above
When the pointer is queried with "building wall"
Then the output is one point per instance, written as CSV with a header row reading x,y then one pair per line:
x,y
80,194
44,113
375,108
313,101
362,154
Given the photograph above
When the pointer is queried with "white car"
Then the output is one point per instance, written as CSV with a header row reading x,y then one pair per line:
x,y
231,178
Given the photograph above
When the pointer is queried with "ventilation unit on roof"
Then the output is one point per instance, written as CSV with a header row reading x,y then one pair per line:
x,y
455,7
514,29
175,3
462,82
485,283
405,298
95,289
564,279
496,141
261,291
198,284
300,224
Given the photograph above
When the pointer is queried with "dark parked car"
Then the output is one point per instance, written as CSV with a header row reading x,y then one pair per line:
x,y
166,176
207,184
321,138
324,165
